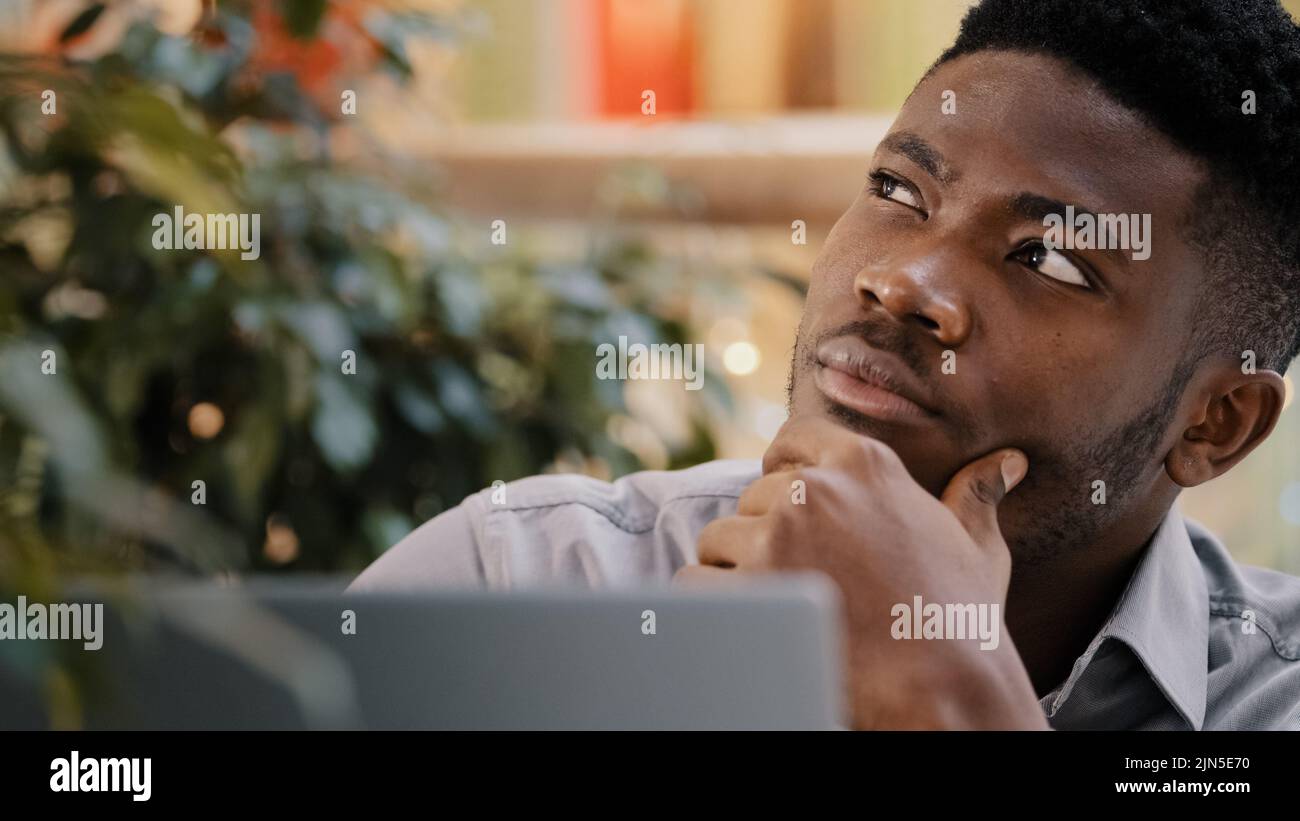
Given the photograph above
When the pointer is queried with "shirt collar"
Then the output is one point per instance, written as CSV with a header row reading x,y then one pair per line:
x,y
1163,616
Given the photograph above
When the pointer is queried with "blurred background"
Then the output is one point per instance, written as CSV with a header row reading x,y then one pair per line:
x,y
197,418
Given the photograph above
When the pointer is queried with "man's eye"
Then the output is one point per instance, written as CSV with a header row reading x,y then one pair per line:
x,y
890,188
1051,263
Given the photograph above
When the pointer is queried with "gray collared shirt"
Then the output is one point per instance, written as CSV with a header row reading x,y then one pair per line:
x,y
1196,641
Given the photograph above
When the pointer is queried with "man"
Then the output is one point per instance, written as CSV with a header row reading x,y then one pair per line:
x,y
985,410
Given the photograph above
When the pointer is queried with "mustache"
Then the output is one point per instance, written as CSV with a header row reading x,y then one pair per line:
x,y
889,337
893,338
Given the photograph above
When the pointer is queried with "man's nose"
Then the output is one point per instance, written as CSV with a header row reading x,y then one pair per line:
x,y
920,287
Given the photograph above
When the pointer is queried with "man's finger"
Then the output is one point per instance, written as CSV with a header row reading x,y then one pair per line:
x,y
974,494
734,541
804,441
766,493
698,575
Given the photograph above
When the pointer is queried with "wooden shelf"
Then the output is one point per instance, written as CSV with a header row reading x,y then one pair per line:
x,y
769,171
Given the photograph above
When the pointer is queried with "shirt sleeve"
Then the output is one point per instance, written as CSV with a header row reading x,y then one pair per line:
x,y
443,552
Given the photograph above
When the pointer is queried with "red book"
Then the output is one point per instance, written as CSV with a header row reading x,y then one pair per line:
x,y
645,45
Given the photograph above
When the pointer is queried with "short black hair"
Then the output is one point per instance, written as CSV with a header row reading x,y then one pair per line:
x,y
1185,67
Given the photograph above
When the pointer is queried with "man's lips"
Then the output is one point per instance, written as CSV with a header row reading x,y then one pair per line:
x,y
874,383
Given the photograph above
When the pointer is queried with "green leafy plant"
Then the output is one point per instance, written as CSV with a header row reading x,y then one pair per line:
x,y
471,363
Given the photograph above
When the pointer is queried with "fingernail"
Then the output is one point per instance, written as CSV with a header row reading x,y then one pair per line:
x,y
1014,468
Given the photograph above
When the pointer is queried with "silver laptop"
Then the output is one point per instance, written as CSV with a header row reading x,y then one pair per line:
x,y
306,655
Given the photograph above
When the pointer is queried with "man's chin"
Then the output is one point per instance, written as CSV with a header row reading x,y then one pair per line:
x,y
859,423
931,470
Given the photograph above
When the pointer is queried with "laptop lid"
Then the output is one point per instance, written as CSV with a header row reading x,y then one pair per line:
x,y
306,655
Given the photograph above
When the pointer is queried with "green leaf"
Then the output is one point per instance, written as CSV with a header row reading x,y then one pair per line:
x,y
342,426
82,23
418,408
322,327
302,17
252,450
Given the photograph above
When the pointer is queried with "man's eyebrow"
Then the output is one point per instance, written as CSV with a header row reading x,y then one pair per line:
x,y
919,151
1036,207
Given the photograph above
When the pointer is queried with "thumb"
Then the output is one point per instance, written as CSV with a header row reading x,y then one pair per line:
x,y
974,494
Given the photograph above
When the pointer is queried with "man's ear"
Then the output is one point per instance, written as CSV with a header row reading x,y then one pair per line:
x,y
1234,412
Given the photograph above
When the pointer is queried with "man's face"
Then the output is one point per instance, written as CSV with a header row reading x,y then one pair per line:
x,y
935,285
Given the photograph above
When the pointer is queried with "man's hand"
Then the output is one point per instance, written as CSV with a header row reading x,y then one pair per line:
x,y
860,518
